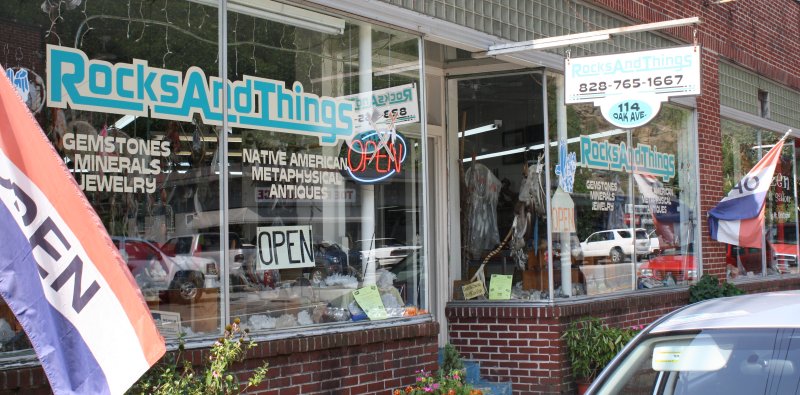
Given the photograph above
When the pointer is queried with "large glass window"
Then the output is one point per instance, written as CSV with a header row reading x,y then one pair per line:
x,y
349,209
503,209
622,212
742,147
630,195
324,155
127,163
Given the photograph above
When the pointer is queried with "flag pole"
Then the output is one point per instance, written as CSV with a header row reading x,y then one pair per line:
x,y
764,263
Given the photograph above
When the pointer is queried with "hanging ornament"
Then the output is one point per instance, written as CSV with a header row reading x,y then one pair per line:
x,y
29,85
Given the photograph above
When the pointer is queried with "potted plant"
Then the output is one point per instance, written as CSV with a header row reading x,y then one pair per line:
x,y
591,344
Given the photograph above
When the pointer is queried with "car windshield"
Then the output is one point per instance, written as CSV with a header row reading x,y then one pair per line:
x,y
686,250
719,361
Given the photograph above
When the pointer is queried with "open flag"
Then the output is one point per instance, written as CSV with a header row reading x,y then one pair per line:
x,y
738,218
60,273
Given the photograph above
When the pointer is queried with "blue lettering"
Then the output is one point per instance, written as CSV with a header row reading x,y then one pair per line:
x,y
243,97
122,73
169,85
285,98
145,80
133,88
60,79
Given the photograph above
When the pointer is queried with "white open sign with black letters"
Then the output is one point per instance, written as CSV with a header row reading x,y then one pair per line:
x,y
285,247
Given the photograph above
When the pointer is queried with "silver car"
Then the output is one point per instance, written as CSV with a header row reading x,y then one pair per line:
x,y
617,244
747,344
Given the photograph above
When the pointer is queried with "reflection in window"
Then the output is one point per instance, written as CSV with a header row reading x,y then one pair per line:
x,y
634,199
742,147
501,157
154,179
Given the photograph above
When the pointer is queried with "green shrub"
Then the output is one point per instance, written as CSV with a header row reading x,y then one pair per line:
x,y
708,288
451,360
174,375
591,345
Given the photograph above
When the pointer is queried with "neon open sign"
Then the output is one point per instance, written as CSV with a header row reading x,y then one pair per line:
x,y
374,157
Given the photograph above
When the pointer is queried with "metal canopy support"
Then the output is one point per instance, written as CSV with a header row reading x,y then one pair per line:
x,y
580,38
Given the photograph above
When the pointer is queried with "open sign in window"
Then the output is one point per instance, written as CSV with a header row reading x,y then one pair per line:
x,y
285,247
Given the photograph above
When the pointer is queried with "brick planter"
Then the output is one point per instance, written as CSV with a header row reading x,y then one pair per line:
x,y
520,342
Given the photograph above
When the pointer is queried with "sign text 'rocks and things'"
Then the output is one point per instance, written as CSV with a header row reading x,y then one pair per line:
x,y
254,103
630,87
257,103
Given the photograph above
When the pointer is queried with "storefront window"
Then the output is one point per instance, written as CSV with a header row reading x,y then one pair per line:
x,y
624,200
503,214
128,164
324,186
742,147
349,210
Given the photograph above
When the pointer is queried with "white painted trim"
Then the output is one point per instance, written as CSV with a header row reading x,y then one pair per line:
x,y
755,120
587,37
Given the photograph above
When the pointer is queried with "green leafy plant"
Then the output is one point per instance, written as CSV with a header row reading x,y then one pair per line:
x,y
451,359
708,287
175,375
591,345
451,383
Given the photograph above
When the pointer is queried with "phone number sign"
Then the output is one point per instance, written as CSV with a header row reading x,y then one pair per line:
x,y
629,88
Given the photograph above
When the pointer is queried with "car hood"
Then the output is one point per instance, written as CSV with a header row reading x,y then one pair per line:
x,y
670,262
786,249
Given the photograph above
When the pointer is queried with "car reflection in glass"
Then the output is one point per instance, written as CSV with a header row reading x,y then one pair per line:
x,y
747,344
385,252
329,259
154,271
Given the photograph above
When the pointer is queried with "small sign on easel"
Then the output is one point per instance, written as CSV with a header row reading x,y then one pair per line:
x,y
473,290
167,322
500,287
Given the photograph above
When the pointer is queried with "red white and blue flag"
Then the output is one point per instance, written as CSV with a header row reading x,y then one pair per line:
x,y
60,273
738,218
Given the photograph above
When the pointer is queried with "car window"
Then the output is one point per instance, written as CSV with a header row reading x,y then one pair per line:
x,y
624,234
208,242
140,250
721,361
596,237
641,234
177,246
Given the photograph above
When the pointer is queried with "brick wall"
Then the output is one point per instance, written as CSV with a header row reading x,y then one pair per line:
x,y
365,362
750,34
520,343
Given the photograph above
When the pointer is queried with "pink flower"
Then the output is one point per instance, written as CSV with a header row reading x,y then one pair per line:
x,y
215,374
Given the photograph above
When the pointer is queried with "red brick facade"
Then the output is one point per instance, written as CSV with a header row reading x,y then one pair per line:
x,y
750,34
